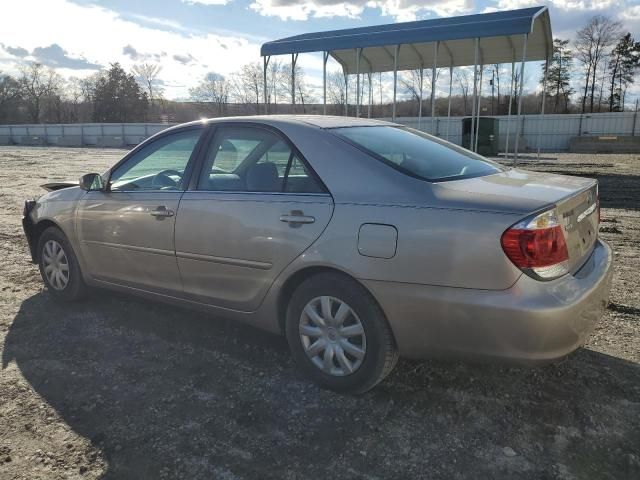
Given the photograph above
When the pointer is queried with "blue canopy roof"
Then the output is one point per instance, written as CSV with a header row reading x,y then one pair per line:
x,y
501,37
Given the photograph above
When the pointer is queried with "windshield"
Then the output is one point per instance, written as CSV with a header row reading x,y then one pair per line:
x,y
418,154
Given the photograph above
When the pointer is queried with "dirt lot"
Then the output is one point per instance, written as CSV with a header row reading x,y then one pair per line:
x,y
121,388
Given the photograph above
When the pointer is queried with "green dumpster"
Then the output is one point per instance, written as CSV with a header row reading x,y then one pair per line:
x,y
488,135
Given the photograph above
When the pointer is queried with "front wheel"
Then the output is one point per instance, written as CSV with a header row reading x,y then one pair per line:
x,y
339,335
59,266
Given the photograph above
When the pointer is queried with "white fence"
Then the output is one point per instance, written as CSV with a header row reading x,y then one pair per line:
x,y
553,131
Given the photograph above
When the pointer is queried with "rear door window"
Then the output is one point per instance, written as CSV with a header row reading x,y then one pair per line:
x,y
418,154
251,159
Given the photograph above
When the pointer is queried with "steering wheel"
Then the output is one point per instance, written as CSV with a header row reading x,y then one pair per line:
x,y
163,180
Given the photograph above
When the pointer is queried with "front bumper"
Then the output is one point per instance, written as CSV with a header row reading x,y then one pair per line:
x,y
531,322
29,228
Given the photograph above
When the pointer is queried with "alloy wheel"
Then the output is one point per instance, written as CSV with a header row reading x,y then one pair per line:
x,y
332,336
55,265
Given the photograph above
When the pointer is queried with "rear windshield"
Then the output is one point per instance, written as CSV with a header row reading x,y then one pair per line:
x,y
418,154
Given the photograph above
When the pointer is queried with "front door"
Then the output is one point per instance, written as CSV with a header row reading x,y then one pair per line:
x,y
126,232
256,207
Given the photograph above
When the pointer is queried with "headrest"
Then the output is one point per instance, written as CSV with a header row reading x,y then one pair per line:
x,y
263,177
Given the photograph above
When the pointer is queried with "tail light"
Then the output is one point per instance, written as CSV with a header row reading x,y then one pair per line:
x,y
537,246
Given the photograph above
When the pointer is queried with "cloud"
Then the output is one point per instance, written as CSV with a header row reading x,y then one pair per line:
x,y
57,57
92,34
632,13
400,10
206,2
184,59
164,23
131,52
568,16
16,51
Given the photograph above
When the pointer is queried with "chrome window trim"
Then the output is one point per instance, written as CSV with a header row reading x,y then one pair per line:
x,y
241,192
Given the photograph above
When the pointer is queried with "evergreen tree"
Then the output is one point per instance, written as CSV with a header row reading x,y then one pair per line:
x,y
559,75
118,98
624,62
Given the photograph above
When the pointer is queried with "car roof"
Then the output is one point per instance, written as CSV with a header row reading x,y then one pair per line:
x,y
319,121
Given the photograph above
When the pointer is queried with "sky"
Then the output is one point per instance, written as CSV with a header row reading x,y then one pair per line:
x,y
191,38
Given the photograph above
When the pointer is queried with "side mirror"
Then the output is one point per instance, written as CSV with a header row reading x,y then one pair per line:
x,y
91,182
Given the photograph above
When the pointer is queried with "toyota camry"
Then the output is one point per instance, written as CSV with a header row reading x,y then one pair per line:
x,y
359,240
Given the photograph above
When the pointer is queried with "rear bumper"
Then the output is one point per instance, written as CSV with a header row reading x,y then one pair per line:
x,y
531,322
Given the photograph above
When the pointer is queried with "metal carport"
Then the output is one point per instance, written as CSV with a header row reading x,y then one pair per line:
x,y
482,39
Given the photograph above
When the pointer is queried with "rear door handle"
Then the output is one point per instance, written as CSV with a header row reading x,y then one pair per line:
x,y
161,211
296,218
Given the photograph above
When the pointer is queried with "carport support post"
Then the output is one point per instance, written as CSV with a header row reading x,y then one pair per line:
x,y
265,62
395,81
420,85
544,93
294,59
518,126
358,52
346,94
449,106
475,143
433,87
473,100
370,95
325,57
506,146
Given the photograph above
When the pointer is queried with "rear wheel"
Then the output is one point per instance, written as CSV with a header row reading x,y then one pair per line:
x,y
59,266
339,335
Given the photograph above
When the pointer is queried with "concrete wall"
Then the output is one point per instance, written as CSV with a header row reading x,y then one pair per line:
x,y
81,134
551,132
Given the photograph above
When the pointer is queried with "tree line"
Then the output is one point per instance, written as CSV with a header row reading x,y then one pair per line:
x,y
40,95
591,73
605,60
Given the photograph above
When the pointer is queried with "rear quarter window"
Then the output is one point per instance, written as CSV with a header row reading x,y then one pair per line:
x,y
418,154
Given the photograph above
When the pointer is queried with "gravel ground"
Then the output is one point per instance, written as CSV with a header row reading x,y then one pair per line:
x,y
118,387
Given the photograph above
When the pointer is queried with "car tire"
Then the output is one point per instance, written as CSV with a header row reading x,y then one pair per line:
x,y
357,362
59,266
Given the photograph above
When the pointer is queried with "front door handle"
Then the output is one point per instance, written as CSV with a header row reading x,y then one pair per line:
x,y
297,217
162,212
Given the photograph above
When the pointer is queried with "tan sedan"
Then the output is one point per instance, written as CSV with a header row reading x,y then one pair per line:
x,y
360,240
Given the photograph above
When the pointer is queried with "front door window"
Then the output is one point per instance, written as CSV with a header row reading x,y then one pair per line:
x,y
159,166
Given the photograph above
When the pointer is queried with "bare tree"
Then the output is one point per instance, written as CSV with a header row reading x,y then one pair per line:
x,y
274,80
336,88
212,90
37,84
464,82
591,44
247,84
147,75
410,82
495,84
302,91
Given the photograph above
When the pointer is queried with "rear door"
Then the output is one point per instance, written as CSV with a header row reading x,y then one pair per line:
x,y
255,207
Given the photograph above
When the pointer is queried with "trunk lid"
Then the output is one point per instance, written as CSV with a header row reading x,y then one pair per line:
x,y
579,216
523,192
